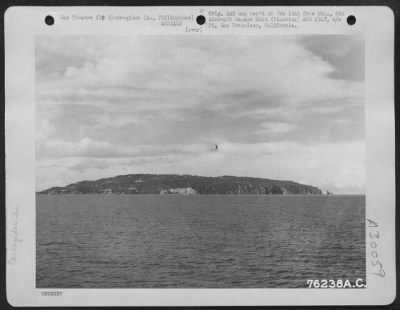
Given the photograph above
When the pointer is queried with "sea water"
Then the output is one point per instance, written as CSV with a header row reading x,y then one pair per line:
x,y
199,241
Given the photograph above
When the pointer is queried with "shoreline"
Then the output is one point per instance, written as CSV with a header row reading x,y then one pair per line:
x,y
197,195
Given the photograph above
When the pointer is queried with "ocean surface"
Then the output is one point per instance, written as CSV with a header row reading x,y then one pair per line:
x,y
216,241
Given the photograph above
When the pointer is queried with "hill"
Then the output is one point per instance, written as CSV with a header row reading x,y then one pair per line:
x,y
184,184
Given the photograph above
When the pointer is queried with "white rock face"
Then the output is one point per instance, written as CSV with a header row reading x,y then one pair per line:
x,y
181,191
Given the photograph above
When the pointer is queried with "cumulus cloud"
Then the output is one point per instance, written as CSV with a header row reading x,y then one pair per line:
x,y
322,166
112,104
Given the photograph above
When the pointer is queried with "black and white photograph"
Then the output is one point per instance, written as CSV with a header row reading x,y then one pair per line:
x,y
199,156
187,162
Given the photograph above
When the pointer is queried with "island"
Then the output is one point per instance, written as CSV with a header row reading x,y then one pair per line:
x,y
172,184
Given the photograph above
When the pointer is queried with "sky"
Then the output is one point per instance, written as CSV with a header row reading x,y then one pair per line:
x,y
278,107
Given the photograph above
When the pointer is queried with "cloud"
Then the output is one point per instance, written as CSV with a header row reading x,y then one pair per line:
x,y
163,100
347,57
202,68
335,167
277,127
88,148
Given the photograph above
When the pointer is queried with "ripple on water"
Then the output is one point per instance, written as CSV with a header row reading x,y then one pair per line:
x,y
199,241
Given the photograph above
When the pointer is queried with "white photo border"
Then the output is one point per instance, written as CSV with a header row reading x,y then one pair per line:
x,y
23,24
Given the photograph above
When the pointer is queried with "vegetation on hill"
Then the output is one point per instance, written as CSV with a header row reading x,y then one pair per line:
x,y
183,184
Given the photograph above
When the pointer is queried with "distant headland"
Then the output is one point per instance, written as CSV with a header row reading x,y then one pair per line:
x,y
165,184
